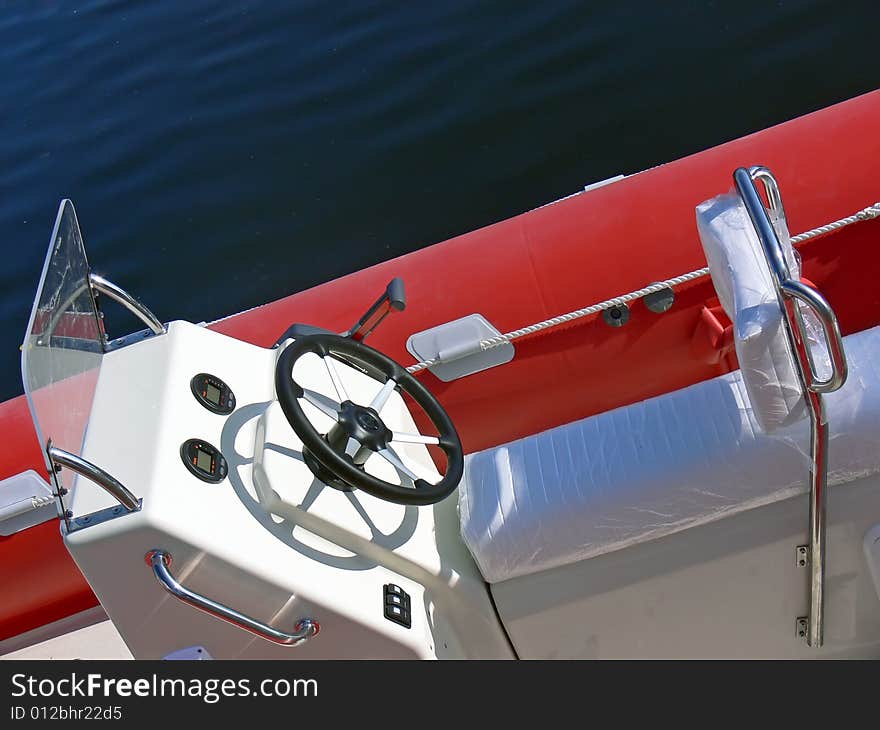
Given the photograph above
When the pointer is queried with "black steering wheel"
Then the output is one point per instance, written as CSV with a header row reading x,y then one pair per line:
x,y
337,457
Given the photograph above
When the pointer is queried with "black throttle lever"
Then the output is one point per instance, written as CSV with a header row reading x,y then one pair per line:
x,y
394,298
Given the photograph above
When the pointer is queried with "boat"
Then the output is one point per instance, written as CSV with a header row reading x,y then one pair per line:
x,y
559,436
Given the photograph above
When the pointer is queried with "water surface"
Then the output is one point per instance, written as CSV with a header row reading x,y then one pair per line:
x,y
225,154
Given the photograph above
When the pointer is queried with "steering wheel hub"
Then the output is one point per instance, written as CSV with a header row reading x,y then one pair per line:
x,y
367,421
364,425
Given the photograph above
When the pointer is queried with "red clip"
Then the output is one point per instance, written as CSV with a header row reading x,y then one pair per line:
x,y
712,341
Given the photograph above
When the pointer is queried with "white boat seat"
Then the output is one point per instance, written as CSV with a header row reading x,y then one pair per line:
x,y
654,468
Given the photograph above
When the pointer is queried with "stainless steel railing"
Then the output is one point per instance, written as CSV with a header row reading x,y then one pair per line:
x,y
117,293
794,295
160,561
96,474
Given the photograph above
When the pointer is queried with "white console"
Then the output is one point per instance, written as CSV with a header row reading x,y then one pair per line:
x,y
267,540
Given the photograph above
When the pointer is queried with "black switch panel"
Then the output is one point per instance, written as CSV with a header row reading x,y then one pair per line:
x,y
397,605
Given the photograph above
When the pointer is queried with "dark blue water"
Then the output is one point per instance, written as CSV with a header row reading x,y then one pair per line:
x,y
289,143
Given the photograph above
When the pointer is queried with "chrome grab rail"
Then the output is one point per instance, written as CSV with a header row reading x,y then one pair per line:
x,y
786,287
160,561
810,297
791,293
118,294
771,190
94,473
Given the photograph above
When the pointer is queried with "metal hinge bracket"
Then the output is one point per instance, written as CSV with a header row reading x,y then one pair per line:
x,y
103,515
803,628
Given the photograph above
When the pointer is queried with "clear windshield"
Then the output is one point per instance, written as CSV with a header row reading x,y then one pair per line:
x,y
62,348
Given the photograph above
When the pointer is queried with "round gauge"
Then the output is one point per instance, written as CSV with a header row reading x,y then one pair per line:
x,y
203,460
213,393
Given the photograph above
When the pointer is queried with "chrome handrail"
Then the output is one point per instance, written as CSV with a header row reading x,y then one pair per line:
x,y
118,294
160,561
771,190
810,297
96,474
791,294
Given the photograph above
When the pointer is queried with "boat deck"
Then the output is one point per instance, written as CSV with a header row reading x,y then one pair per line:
x,y
86,635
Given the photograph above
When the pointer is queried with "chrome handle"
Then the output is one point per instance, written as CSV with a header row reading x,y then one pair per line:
x,y
117,293
771,189
788,287
60,457
745,185
160,561
807,295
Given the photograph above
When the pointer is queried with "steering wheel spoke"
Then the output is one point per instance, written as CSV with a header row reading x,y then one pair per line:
x,y
414,438
383,395
352,447
392,457
336,377
323,403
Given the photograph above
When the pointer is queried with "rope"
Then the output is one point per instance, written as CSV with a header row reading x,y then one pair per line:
x,y
866,214
872,211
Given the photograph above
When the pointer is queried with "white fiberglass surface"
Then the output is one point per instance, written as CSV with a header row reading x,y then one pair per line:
x,y
63,345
